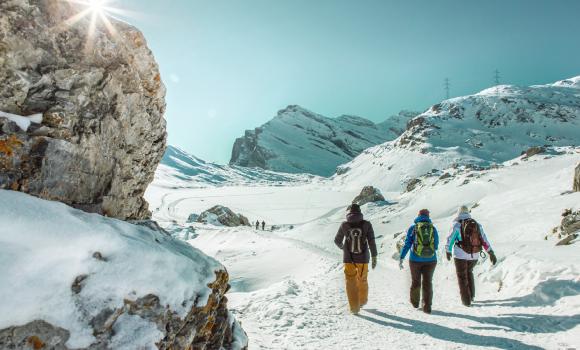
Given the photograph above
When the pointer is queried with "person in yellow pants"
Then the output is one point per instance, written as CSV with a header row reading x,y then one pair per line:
x,y
356,237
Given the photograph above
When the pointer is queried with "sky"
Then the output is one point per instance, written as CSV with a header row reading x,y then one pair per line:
x,y
231,65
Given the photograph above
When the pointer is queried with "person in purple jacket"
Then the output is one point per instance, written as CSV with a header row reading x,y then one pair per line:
x,y
467,240
423,241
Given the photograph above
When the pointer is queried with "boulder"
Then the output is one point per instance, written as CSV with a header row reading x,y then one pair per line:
x,y
532,151
82,115
192,218
220,215
576,185
570,222
412,184
367,195
130,286
568,240
569,228
203,327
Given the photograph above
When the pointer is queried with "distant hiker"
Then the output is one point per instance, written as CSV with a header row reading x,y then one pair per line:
x,y
423,238
355,236
467,240
257,224
263,225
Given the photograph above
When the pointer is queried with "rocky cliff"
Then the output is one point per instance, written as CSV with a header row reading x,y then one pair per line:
x,y
97,102
300,141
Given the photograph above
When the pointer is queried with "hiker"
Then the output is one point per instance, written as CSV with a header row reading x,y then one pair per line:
x,y
423,240
355,236
467,239
257,224
263,225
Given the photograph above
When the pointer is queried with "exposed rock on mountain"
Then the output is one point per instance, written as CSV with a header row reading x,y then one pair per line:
x,y
97,130
532,151
115,286
569,228
485,129
496,123
220,215
412,184
576,185
300,141
367,195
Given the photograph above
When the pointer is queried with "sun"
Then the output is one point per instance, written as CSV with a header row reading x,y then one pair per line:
x,y
96,6
98,12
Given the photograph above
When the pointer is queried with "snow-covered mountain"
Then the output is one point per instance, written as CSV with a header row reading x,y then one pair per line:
x,y
178,168
300,141
492,126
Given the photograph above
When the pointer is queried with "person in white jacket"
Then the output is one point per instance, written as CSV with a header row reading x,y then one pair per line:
x,y
467,240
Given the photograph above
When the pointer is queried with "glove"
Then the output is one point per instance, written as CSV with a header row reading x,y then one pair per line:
x,y
401,264
448,256
374,262
492,257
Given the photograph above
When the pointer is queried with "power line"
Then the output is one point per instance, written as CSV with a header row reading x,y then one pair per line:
x,y
496,77
447,84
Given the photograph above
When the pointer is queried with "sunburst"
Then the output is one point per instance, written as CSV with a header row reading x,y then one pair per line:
x,y
99,12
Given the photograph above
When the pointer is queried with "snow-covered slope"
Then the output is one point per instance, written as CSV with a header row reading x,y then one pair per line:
x,y
489,127
180,169
300,141
288,283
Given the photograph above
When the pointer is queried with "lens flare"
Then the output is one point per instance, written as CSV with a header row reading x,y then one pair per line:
x,y
99,12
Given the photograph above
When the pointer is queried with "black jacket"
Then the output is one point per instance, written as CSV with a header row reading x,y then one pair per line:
x,y
367,227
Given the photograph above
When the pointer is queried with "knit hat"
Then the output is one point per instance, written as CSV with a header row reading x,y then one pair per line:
x,y
463,210
354,208
424,212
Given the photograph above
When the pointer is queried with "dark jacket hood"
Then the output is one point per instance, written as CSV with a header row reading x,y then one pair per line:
x,y
354,217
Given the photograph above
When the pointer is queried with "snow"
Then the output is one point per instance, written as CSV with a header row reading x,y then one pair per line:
x,y
288,284
179,169
45,245
133,332
22,122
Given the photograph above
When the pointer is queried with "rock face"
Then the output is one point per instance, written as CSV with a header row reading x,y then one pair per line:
x,y
532,151
100,98
220,215
208,327
569,228
576,186
367,195
412,184
300,141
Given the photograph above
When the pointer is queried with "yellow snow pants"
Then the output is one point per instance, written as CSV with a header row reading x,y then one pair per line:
x,y
357,287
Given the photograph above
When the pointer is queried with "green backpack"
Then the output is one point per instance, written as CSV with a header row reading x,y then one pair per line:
x,y
424,245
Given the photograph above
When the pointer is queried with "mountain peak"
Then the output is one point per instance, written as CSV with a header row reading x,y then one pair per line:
x,y
298,140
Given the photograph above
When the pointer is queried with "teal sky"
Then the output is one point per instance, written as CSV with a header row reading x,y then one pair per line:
x,y
231,65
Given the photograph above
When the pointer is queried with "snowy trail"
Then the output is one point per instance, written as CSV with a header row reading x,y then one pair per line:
x,y
308,309
288,285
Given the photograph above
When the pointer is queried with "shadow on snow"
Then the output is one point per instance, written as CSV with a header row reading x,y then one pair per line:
x,y
524,323
544,294
444,333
